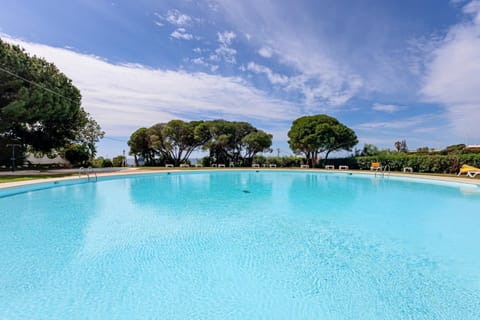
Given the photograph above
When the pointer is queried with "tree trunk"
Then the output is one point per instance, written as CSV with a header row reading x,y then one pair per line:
x,y
326,156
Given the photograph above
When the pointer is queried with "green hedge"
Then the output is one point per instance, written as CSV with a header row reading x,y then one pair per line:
x,y
419,163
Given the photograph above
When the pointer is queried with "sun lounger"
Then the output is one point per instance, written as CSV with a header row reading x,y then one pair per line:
x,y
470,171
330,167
473,174
466,168
342,167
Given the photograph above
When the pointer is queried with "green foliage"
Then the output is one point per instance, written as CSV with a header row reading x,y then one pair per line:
x,y
44,113
205,161
76,154
173,142
398,145
423,150
176,140
89,135
453,149
419,162
370,150
286,162
102,162
255,142
107,163
118,161
226,144
312,135
141,146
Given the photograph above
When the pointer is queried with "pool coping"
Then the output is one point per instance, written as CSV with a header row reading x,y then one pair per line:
x,y
138,171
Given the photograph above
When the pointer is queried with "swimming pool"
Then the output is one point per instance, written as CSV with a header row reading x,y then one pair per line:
x,y
241,245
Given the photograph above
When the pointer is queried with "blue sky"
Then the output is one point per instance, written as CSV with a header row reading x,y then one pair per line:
x,y
389,69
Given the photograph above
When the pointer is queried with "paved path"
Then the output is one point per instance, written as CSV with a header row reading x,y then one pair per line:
x,y
59,171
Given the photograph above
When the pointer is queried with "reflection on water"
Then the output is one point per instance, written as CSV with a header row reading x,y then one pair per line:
x,y
241,244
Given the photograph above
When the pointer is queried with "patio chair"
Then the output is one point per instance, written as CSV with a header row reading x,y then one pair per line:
x,y
376,166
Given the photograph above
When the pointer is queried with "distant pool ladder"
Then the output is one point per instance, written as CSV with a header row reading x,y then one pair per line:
x,y
89,172
381,171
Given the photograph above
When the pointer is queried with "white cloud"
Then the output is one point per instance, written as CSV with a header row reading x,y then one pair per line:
x,y
321,78
224,51
181,33
123,98
177,18
412,122
390,108
198,50
200,61
453,74
266,52
226,37
227,53
273,77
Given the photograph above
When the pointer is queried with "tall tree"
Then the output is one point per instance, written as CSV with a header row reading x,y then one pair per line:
x,y
179,139
39,106
89,135
226,142
255,142
398,145
312,135
141,146
403,146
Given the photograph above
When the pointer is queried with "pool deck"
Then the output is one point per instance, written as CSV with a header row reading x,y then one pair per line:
x,y
137,171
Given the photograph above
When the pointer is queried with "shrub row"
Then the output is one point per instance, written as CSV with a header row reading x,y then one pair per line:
x,y
419,163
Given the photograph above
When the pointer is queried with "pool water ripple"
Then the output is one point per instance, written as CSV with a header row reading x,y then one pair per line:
x,y
196,246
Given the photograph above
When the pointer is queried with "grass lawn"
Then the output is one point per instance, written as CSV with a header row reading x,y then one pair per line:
x,y
13,178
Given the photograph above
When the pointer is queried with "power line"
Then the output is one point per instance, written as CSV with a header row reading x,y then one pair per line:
x,y
35,84
114,139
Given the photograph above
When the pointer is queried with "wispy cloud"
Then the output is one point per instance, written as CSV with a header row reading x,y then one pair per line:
x,y
265,52
411,122
225,51
181,33
453,74
274,78
323,81
124,97
177,18
389,108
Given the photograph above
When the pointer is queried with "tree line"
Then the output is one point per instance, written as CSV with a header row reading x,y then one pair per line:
x,y
237,143
227,142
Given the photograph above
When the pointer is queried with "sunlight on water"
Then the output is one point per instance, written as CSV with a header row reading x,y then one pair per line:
x,y
241,245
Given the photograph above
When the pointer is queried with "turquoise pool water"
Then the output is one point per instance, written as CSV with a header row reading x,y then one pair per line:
x,y
241,245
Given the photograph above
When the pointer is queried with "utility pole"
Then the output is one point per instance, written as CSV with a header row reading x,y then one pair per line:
x,y
13,145
124,159
278,152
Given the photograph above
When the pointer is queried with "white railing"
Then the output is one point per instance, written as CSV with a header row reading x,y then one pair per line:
x,y
89,172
